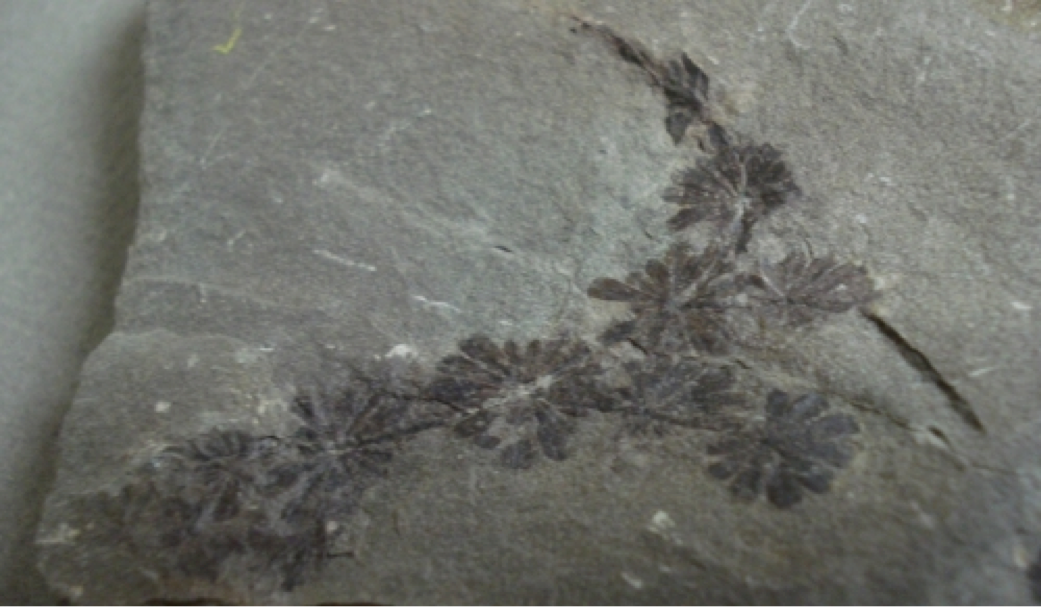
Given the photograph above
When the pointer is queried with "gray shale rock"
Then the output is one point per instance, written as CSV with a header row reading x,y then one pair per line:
x,y
340,196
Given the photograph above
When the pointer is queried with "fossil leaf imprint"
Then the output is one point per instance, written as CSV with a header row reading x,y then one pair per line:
x,y
679,301
685,393
518,400
799,289
733,189
229,507
797,448
246,509
682,82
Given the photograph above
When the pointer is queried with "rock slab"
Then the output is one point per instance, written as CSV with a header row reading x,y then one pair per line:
x,y
565,302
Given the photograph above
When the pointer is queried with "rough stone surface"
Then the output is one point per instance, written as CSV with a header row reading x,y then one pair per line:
x,y
329,185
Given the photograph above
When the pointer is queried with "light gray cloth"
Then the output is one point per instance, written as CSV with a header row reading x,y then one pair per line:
x,y
70,95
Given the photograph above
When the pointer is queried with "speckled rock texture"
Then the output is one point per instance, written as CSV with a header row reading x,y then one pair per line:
x,y
570,302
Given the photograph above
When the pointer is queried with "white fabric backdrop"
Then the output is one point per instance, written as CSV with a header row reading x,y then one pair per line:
x,y
70,96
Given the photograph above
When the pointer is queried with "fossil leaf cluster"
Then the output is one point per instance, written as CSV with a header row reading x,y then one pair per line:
x,y
678,302
733,189
233,505
684,85
230,505
797,448
520,401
